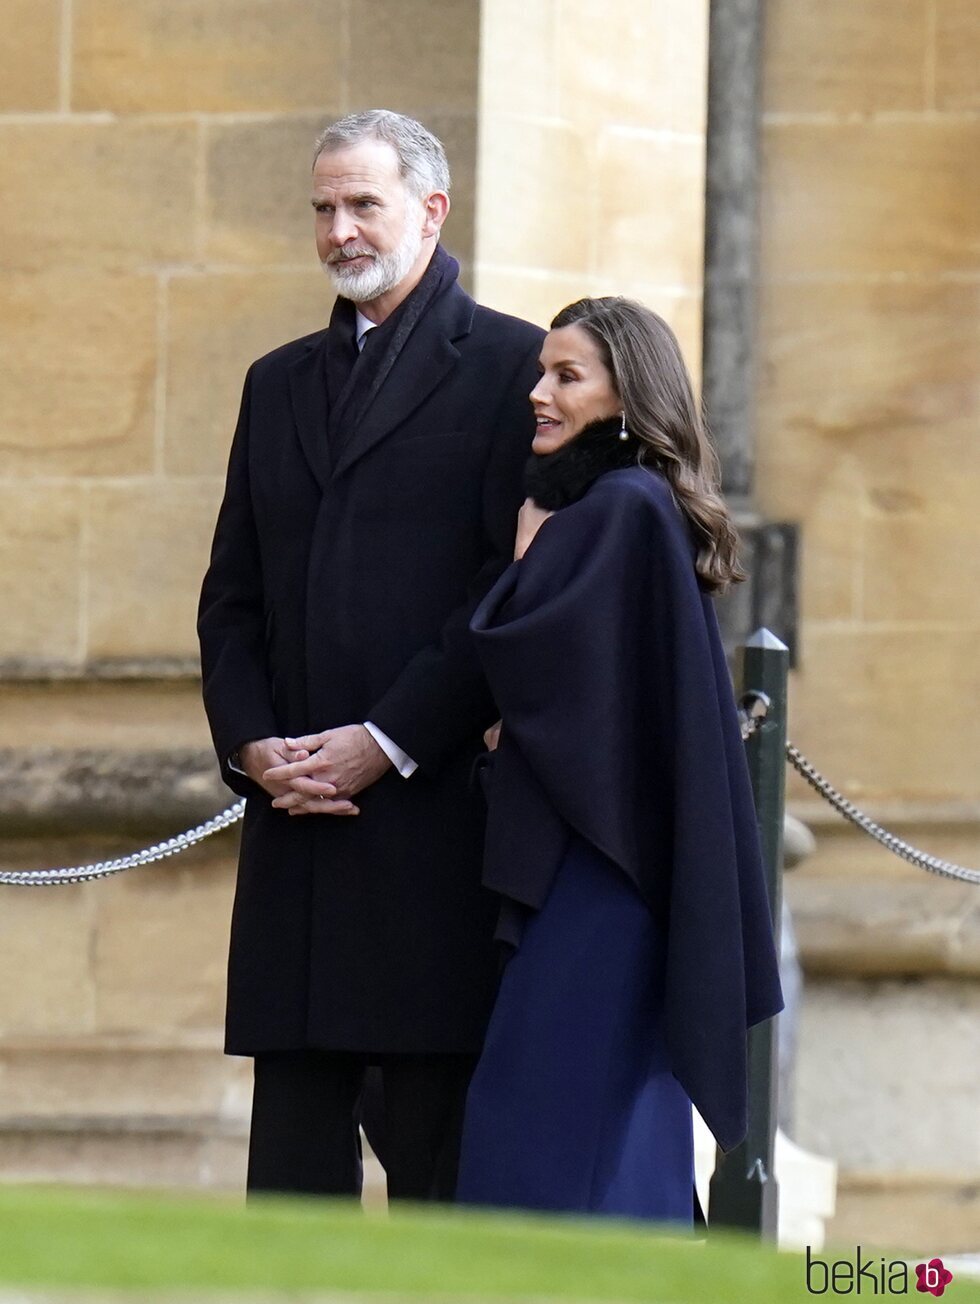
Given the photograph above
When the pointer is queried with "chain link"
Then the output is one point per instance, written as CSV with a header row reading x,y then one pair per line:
x,y
922,859
148,856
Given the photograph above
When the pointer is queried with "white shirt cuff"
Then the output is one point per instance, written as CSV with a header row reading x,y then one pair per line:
x,y
402,762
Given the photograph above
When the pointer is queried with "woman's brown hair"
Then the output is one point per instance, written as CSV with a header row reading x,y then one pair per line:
x,y
644,359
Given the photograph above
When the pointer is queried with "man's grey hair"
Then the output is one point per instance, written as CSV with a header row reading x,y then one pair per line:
x,y
421,156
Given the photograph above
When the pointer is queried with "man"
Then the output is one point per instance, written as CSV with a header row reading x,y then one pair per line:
x,y
371,500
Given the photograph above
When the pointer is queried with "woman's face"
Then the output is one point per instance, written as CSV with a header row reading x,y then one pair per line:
x,y
575,388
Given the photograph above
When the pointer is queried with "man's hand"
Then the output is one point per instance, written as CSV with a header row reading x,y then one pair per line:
x,y
529,521
264,753
330,768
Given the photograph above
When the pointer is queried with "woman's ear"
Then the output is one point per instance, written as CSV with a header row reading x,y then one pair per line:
x,y
436,212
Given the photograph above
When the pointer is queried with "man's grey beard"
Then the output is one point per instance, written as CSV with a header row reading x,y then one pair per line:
x,y
380,276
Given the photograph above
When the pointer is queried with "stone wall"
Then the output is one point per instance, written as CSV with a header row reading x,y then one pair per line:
x,y
591,159
157,237
869,436
869,400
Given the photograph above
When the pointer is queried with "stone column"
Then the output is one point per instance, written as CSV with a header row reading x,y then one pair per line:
x,y
729,320
731,235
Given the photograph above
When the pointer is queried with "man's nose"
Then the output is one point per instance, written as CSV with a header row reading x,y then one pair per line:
x,y
342,229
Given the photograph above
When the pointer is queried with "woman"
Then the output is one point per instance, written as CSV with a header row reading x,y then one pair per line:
x,y
621,831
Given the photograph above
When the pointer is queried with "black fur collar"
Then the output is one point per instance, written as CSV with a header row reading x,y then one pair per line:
x,y
554,480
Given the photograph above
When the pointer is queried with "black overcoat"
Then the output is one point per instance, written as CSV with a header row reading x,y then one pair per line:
x,y
620,723
340,588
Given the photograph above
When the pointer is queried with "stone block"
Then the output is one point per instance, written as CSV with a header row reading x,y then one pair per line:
x,y
647,68
219,324
161,944
844,852
518,58
126,715
46,979
869,198
138,56
149,547
77,374
458,133
125,1156
887,711
40,580
832,56
422,54
534,205
886,924
648,223
887,1075
957,55
141,793
258,190
535,298
868,403
97,194
822,495
102,1079
858,366
919,1213
681,309
922,531
687,33
29,55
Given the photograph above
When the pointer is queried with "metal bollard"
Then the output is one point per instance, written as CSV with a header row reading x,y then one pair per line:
x,y
743,1191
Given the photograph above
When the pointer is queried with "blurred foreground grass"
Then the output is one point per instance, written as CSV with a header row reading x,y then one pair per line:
x,y
97,1239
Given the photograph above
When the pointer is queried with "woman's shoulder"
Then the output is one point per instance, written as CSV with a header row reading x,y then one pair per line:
x,y
634,491
632,507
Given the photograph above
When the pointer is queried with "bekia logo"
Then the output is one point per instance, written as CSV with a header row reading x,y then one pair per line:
x,y
873,1276
932,1277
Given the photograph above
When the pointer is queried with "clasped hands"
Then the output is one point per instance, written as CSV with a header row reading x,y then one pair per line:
x,y
317,774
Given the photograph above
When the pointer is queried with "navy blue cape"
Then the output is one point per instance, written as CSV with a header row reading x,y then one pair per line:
x,y
605,659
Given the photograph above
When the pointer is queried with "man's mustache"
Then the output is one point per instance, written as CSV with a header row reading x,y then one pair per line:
x,y
345,255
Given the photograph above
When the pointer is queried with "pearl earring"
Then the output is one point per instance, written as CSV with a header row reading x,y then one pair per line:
x,y
624,434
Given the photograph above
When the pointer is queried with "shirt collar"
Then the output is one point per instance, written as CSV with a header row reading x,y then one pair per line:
x,y
361,328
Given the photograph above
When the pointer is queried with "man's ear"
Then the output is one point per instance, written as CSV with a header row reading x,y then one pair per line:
x,y
436,211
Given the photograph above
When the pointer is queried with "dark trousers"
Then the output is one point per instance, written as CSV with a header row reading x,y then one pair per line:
x,y
307,1108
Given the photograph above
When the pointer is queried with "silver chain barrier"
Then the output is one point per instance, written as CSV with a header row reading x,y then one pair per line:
x,y
148,856
752,712
922,859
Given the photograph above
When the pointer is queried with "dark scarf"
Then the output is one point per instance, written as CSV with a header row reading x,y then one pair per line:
x,y
354,380
554,480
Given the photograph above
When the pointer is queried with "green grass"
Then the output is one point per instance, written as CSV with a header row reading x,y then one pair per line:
x,y
59,1237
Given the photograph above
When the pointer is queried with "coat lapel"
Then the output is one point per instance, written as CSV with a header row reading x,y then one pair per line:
x,y
308,391
428,357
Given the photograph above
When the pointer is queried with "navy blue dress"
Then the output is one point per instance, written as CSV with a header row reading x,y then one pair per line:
x,y
573,1106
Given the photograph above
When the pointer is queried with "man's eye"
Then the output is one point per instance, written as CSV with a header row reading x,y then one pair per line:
x,y
323,208
365,203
